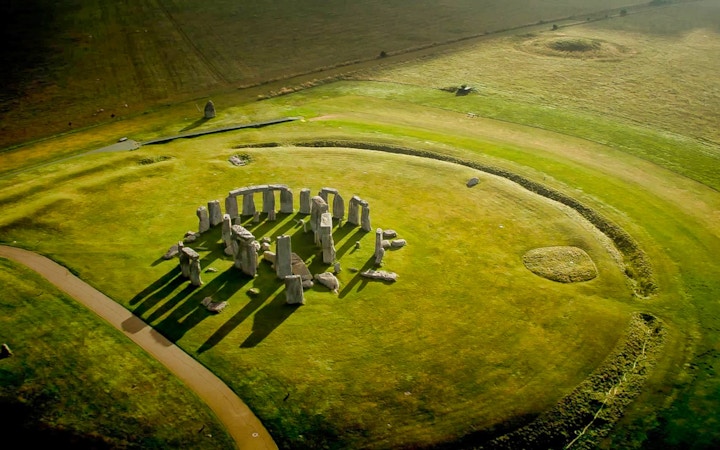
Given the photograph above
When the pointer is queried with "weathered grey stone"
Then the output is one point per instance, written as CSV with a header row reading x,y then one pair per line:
x,y
195,269
215,212
268,197
191,236
473,181
300,268
294,290
227,231
246,253
189,264
271,215
171,253
307,284
253,292
328,280
336,268
269,257
379,275
398,243
379,255
283,262
385,244
354,210
264,246
212,306
204,219
389,234
265,239
379,251
305,201
235,160
211,270
209,110
286,201
365,220
248,208
256,217
338,207
231,206
318,207
326,239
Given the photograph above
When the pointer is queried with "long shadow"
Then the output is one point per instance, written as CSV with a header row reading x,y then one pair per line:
x,y
236,320
358,279
168,305
265,227
341,231
157,284
190,311
195,124
268,319
161,294
350,243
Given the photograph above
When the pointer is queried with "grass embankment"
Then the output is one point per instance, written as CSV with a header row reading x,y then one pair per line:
x,y
72,381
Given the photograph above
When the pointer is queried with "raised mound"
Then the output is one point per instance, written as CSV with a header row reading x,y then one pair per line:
x,y
562,264
574,47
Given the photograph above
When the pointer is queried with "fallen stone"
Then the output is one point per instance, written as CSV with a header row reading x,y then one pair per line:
x,y
398,243
385,243
211,270
389,234
307,284
237,161
300,268
269,257
473,181
191,236
265,246
212,306
171,253
379,275
328,280
254,292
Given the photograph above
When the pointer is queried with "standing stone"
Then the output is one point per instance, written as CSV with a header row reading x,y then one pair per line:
x,y
283,256
246,252
293,290
202,214
256,217
286,201
268,200
326,239
338,207
317,209
195,270
353,210
365,221
305,201
209,109
248,204
231,206
379,248
227,235
183,260
215,212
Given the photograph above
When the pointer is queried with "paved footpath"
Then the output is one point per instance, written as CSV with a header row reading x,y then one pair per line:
x,y
241,423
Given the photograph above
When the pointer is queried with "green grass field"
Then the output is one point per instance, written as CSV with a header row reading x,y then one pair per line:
x,y
468,344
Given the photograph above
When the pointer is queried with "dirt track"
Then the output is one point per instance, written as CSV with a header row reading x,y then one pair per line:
x,y
241,423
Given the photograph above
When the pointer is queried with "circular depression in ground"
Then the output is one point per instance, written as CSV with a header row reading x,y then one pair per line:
x,y
467,339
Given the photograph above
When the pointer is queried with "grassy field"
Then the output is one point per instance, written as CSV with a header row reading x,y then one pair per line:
x,y
98,61
379,365
58,388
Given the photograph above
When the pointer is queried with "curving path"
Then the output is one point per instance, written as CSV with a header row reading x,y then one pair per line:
x,y
241,423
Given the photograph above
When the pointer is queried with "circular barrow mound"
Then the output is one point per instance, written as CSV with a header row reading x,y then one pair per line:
x,y
562,264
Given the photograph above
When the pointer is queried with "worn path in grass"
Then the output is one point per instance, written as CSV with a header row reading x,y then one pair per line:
x,y
241,423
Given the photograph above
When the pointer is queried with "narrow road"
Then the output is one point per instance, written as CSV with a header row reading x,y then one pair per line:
x,y
241,423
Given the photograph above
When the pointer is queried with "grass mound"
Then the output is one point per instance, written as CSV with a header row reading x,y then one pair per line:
x,y
574,45
563,264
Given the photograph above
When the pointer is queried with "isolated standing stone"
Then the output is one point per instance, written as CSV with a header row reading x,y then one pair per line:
x,y
305,201
209,110
204,218
215,212
283,260
294,290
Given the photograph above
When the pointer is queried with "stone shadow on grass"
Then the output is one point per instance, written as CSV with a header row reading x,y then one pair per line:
x,y
239,317
189,312
268,319
369,264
